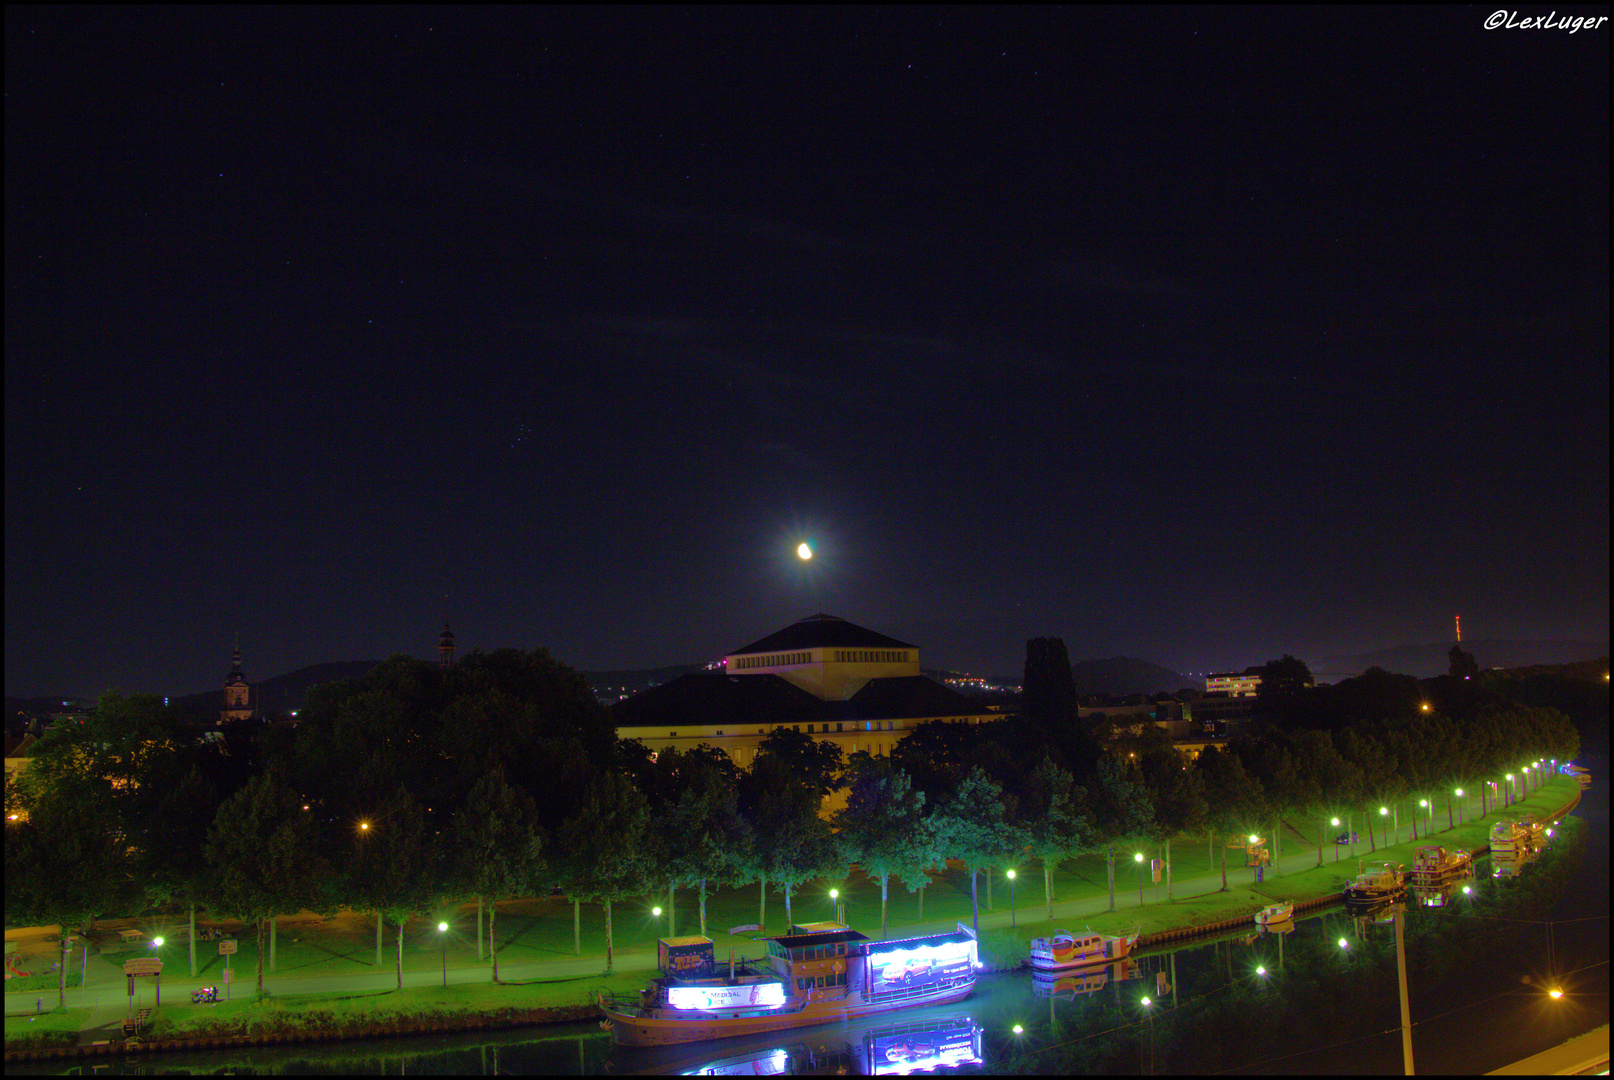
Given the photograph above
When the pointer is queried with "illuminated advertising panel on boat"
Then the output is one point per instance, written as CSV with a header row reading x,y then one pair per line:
x,y
765,995
914,965
900,1051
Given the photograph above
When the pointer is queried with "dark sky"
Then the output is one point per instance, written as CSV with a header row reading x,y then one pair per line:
x,y
1202,336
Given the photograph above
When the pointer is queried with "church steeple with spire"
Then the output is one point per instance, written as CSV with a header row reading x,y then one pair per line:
x,y
237,704
445,647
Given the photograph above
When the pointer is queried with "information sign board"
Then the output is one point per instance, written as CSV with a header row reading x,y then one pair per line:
x,y
227,948
146,965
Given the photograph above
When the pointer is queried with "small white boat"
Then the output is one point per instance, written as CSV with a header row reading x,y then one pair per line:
x,y
1282,911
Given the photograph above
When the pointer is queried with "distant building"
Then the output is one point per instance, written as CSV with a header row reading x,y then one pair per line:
x,y
1233,684
445,647
237,692
822,676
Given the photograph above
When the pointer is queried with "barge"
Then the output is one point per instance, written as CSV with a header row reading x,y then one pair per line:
x,y
1381,881
1433,867
806,979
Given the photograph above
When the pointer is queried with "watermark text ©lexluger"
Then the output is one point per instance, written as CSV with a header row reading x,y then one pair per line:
x,y
1512,20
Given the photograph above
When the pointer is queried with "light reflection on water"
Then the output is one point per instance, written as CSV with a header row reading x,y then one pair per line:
x,y
1479,963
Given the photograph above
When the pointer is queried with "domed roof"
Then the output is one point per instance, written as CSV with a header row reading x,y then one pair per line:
x,y
823,631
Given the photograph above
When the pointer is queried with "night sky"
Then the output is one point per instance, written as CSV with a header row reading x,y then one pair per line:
x,y
1200,336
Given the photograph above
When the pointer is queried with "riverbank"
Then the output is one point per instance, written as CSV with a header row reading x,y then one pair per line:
x,y
379,1011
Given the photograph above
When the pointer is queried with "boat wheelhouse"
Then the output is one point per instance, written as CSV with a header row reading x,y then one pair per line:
x,y
1434,866
1065,950
1380,881
813,978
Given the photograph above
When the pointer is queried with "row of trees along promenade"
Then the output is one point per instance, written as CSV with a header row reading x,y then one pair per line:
x,y
414,789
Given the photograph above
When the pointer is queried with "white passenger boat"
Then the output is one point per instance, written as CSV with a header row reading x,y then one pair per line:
x,y
1282,911
807,979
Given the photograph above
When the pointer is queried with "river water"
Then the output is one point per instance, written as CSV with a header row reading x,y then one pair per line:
x,y
1478,970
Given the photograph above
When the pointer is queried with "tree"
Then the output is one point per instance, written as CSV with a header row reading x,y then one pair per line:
x,y
398,866
1120,810
1177,792
817,762
1283,677
936,757
66,863
1055,827
262,852
1462,665
1048,693
972,827
607,847
497,847
703,836
1233,796
793,844
879,829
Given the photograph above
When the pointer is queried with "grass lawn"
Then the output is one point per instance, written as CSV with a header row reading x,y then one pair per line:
x,y
357,1009
31,1031
43,983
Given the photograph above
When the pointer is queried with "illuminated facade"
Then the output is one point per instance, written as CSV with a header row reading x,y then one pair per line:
x,y
237,693
822,676
1233,684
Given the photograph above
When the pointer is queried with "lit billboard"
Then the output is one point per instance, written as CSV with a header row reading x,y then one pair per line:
x,y
912,965
766,995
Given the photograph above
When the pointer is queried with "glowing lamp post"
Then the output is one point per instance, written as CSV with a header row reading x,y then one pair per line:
x,y
1462,807
1384,813
656,911
1508,798
1137,860
1013,915
1335,823
442,938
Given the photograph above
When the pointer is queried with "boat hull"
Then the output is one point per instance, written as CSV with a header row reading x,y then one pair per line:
x,y
668,1031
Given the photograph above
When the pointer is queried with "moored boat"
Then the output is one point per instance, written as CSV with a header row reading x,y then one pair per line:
x,y
814,978
1433,866
1381,881
1065,950
1282,911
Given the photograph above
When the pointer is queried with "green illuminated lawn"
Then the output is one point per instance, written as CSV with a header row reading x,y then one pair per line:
x,y
59,1027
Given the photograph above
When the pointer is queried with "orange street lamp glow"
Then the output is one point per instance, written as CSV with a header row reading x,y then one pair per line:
x,y
1426,706
1555,993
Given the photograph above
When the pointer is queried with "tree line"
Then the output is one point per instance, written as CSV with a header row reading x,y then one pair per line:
x,y
414,788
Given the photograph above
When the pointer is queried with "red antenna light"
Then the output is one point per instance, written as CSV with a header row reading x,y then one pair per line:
x,y
1459,619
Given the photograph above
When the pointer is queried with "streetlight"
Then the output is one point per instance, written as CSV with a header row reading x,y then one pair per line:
x,y
1463,806
834,908
1260,969
1343,944
1509,800
1137,859
442,937
656,911
1014,916
1385,813
1335,822
1426,706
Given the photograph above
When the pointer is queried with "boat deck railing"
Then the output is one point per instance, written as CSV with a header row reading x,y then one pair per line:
x,y
914,993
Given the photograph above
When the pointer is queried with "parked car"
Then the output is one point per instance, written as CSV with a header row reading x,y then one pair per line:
x,y
1348,838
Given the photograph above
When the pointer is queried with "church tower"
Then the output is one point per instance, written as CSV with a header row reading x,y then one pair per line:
x,y
236,691
445,647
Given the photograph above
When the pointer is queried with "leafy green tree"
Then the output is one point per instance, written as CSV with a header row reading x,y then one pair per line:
x,y
66,863
936,757
1233,796
1120,810
817,762
496,847
607,847
1284,676
263,854
1055,827
703,838
880,826
973,827
1462,665
1177,792
397,863
793,844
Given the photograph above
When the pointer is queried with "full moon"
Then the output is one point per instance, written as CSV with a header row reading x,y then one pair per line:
x,y
804,551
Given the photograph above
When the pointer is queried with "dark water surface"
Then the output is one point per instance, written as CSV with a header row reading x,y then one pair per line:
x,y
1478,970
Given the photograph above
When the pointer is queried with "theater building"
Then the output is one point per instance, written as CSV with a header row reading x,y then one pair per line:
x,y
822,676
